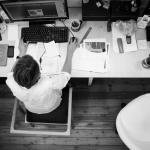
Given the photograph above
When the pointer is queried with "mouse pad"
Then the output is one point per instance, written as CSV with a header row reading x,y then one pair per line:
x,y
3,54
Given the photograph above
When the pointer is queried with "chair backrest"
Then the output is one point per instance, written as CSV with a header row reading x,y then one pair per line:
x,y
19,124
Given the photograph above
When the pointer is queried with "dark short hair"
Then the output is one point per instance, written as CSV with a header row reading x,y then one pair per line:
x,y
26,71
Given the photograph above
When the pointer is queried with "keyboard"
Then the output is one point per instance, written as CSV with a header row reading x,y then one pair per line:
x,y
34,34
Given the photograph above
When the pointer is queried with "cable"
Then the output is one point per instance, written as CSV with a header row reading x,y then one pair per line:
x,y
68,28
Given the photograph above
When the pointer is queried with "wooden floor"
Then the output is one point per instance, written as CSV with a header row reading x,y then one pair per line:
x,y
93,120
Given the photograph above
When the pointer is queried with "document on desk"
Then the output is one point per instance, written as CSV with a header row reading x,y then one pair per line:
x,y
142,43
51,66
13,31
51,59
49,54
126,47
93,56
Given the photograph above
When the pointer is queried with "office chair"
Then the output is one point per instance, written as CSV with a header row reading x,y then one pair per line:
x,y
58,126
133,123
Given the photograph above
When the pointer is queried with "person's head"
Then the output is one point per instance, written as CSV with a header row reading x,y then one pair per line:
x,y
26,71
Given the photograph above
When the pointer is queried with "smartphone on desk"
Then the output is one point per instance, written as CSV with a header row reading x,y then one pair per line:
x,y
10,52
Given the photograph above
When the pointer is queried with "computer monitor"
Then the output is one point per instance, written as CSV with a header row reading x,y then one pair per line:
x,y
35,10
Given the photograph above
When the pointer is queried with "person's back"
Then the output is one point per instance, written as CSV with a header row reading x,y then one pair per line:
x,y
40,93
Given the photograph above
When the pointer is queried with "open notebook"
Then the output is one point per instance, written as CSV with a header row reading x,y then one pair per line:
x,y
49,53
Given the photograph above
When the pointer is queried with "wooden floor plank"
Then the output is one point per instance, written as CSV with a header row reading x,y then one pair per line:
x,y
61,140
94,114
64,147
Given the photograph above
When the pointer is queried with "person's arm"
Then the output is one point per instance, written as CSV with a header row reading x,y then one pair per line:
x,y
72,45
22,48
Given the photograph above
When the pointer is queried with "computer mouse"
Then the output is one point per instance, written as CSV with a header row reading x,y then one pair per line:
x,y
73,38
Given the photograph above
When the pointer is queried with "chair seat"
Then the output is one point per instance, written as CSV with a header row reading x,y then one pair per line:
x,y
133,123
136,117
52,126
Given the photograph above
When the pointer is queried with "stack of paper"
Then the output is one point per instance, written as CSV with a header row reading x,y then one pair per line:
x,y
93,56
12,32
52,49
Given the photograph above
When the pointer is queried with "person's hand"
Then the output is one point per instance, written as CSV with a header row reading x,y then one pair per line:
x,y
22,48
72,45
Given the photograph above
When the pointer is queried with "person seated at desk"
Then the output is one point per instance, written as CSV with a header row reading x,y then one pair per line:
x,y
40,93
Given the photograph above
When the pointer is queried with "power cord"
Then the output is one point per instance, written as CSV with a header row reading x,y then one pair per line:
x,y
68,28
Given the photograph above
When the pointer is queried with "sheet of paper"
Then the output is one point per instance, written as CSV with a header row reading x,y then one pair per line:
x,y
12,32
127,47
142,44
52,49
16,49
36,50
51,66
89,61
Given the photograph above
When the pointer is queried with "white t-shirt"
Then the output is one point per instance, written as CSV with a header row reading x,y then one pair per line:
x,y
44,96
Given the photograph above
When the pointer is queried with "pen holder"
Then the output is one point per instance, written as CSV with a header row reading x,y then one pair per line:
x,y
146,63
76,25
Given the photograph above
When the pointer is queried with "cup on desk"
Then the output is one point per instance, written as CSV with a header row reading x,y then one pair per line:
x,y
146,62
76,25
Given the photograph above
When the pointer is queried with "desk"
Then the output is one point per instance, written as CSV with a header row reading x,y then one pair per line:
x,y
127,65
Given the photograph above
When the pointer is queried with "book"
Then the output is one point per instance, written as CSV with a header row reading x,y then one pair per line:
x,y
3,54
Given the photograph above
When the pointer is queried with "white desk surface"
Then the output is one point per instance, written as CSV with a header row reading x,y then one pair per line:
x,y
127,65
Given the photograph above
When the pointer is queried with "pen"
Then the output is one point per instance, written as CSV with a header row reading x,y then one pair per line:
x,y
105,64
107,54
107,48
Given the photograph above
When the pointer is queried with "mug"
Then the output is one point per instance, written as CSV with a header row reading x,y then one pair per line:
x,y
146,63
76,25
